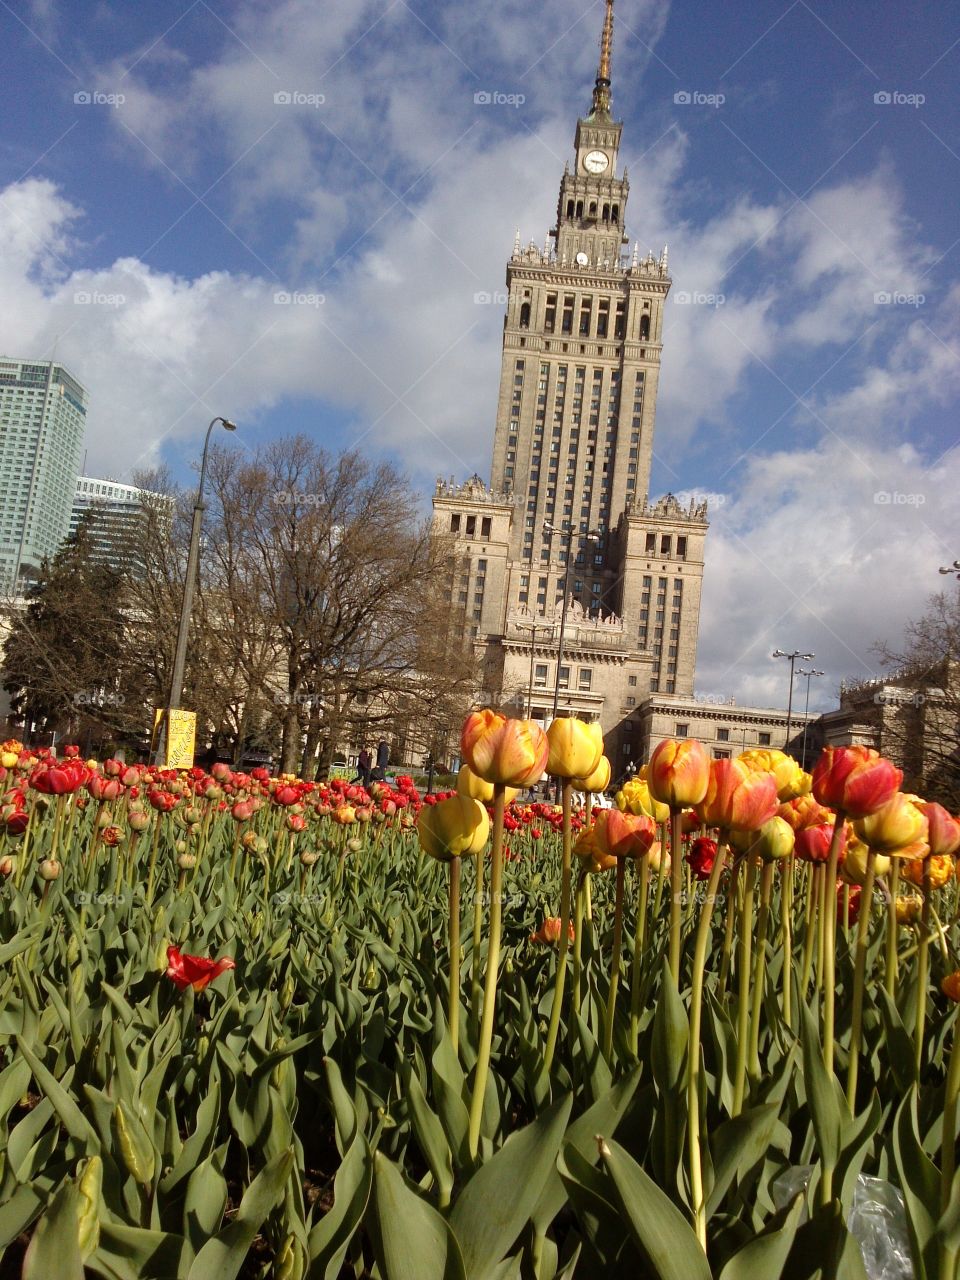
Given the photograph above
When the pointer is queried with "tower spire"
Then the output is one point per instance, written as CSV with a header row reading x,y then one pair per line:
x,y
601,90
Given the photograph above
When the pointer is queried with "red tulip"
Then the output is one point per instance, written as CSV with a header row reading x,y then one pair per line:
x,y
857,780
943,831
59,779
701,856
104,788
194,971
813,843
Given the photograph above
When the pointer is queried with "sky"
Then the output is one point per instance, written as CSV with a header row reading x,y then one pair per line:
x,y
295,215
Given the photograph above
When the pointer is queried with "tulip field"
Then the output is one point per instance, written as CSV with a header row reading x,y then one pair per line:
x,y
261,1027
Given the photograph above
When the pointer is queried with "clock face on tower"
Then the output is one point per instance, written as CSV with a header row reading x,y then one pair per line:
x,y
595,161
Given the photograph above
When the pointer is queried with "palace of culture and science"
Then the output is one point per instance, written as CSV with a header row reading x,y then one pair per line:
x,y
568,499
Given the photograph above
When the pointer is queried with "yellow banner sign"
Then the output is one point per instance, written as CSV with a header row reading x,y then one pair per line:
x,y
179,737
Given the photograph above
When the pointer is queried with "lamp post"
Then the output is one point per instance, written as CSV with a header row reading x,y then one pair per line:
x,y
533,628
592,536
779,653
186,606
806,710
951,568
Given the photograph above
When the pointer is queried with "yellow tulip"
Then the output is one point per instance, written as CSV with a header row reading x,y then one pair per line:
x,y
576,748
854,865
468,784
775,840
790,778
512,752
635,797
599,780
453,828
896,828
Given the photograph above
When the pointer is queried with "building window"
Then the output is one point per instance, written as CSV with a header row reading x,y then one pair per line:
x,y
540,674
631,702
651,543
471,526
632,680
764,739
564,677
681,548
485,527
585,677
455,524
723,735
721,755
683,730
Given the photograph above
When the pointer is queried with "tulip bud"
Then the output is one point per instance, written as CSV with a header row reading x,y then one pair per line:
x,y
597,781
856,780
309,857
895,828
774,840
8,866
138,819
635,797
737,797
576,748
679,772
136,1148
290,1262
50,869
89,1185
453,828
186,861
855,863
498,750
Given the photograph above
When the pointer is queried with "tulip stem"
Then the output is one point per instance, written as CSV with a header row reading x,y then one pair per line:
x,y
676,894
564,941
812,880
693,1053
859,974
153,859
614,959
743,975
923,963
760,964
786,939
493,963
733,890
830,941
578,938
639,943
948,1150
453,1011
661,870
890,976
475,958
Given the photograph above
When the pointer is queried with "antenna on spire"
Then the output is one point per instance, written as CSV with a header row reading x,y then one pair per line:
x,y
636,255
516,244
601,92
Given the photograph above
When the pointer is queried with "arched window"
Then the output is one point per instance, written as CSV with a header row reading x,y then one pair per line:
x,y
644,327
593,208
606,213
616,213
525,316
570,208
579,208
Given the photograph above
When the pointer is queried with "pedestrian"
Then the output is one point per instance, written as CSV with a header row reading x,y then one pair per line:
x,y
383,759
364,767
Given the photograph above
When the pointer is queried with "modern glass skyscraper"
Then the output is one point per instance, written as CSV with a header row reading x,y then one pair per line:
x,y
115,513
43,411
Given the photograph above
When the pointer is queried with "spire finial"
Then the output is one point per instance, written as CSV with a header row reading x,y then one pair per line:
x,y
601,91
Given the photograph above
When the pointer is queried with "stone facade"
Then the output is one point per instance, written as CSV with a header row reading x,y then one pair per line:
x,y
565,538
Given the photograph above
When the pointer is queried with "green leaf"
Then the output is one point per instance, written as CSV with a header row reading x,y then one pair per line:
x,y
330,1238
73,1119
670,1035
828,1107
920,1183
766,1255
497,1202
130,1253
736,1146
661,1232
413,1242
430,1136
222,1257
206,1199
54,1249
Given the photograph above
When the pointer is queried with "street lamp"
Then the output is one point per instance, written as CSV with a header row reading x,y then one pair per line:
x,y
550,529
533,628
186,606
806,710
779,653
952,568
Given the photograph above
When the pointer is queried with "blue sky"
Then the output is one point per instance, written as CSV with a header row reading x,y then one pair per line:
x,y
808,190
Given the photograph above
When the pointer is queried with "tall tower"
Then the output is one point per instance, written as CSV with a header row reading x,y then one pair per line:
x,y
573,447
43,411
